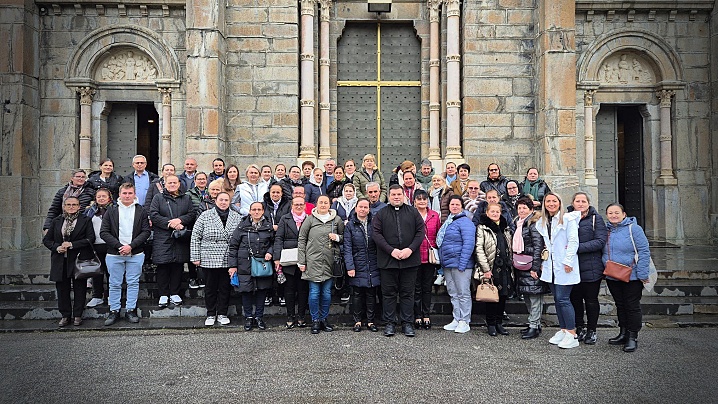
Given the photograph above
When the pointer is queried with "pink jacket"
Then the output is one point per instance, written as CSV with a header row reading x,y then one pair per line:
x,y
433,223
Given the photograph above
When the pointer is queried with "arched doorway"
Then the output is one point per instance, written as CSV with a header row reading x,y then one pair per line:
x,y
133,128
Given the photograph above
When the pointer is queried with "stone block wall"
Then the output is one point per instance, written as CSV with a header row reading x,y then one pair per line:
x,y
262,82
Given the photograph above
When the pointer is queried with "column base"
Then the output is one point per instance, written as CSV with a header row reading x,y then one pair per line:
x,y
324,153
666,181
453,153
591,182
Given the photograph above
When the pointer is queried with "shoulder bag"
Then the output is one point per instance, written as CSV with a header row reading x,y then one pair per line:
x,y
338,267
617,270
433,253
486,291
260,267
184,233
87,268
522,262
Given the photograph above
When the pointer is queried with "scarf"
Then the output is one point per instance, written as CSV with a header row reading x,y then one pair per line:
x,y
531,188
299,219
72,190
518,241
442,230
463,185
348,204
324,218
223,215
365,225
513,199
69,225
257,225
101,209
435,199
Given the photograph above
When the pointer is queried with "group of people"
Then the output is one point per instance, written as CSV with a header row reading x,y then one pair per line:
x,y
391,240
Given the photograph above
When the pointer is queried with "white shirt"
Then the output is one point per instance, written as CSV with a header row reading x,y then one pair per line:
x,y
127,222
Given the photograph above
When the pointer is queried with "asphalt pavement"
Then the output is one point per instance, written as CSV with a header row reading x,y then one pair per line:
x,y
277,365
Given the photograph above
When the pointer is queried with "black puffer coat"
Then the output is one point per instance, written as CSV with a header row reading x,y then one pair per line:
x,y
87,195
113,183
359,252
165,248
285,205
287,237
245,238
592,236
533,245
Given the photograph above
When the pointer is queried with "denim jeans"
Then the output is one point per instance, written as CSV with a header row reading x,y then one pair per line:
x,y
320,296
124,266
564,308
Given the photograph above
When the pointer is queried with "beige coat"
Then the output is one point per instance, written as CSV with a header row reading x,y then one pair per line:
x,y
486,249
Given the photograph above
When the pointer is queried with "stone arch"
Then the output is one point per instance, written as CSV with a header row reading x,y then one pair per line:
x,y
660,56
99,43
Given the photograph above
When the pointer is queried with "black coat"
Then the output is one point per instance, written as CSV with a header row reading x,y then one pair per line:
x,y
533,245
505,212
499,185
287,236
286,184
285,205
592,236
359,252
261,241
82,238
110,230
113,183
165,248
401,227
86,197
336,189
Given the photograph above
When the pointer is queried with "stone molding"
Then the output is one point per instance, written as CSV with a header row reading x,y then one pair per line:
x,y
166,95
665,97
585,5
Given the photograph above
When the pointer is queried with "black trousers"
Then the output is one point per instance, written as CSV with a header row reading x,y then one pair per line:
x,y
67,307
398,283
363,302
98,282
169,277
254,300
422,294
586,292
216,291
195,272
296,292
627,296
495,311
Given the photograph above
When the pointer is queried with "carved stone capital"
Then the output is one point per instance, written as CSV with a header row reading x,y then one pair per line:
x,y
453,58
665,138
308,7
85,136
306,57
86,94
166,136
324,105
306,103
453,104
665,97
325,6
588,98
452,8
434,10
166,95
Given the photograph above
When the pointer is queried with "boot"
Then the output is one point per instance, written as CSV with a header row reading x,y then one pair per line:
x,y
619,339
590,338
631,343
580,333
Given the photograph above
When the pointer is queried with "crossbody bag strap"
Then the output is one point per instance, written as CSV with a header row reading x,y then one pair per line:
x,y
635,250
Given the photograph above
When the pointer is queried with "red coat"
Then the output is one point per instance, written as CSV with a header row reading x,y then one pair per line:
x,y
433,223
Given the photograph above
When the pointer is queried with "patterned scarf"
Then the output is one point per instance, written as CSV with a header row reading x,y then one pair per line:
x,y
69,225
101,209
73,190
442,230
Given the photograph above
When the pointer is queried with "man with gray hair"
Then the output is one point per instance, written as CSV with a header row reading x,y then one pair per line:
x,y
329,165
425,174
373,192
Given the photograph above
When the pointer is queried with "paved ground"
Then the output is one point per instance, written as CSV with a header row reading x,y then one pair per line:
x,y
671,365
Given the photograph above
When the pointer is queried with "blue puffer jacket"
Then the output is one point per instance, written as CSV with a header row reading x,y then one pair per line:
x,y
360,253
457,247
591,240
620,248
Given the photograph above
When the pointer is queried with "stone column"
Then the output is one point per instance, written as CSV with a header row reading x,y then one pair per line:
x,y
324,147
453,79
306,101
666,137
590,145
434,81
86,94
166,154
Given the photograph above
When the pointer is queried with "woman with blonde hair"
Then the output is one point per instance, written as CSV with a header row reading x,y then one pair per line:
x,y
369,173
249,191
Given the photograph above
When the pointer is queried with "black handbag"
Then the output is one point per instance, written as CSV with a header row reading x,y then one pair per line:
x,y
338,267
87,268
184,233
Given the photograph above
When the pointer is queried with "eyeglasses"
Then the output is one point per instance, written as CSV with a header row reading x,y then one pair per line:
x,y
68,205
474,188
420,198
512,188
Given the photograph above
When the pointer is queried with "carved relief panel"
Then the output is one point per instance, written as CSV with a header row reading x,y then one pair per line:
x,y
126,64
626,68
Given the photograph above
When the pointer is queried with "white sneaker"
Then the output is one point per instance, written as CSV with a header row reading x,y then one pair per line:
x,y
557,338
163,302
176,300
569,341
439,280
95,301
462,328
209,321
451,326
223,320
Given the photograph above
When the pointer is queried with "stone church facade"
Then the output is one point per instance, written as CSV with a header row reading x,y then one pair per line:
x,y
616,98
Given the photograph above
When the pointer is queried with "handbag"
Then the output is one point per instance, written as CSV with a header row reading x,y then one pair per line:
x,y
523,262
87,268
338,267
617,270
182,233
487,292
261,268
289,256
433,253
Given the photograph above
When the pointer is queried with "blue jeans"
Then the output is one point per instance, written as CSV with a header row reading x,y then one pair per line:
x,y
564,308
124,266
320,296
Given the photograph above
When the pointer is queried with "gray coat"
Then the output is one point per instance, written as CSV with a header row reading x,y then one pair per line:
x,y
316,251
210,238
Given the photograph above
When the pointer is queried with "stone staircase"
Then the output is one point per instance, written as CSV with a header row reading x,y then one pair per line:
x,y
687,286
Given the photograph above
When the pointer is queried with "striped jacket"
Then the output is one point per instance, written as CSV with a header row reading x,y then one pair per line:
x,y
210,239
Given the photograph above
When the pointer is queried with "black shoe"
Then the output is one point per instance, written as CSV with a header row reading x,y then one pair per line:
x,y
619,339
531,333
491,329
112,317
506,317
193,284
248,323
500,328
326,326
357,327
316,326
132,317
301,323
631,343
372,327
580,333
389,330
201,283
267,301
408,330
283,302
260,323
525,330
427,324
590,338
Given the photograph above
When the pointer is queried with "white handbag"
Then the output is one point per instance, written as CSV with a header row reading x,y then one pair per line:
x,y
289,257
